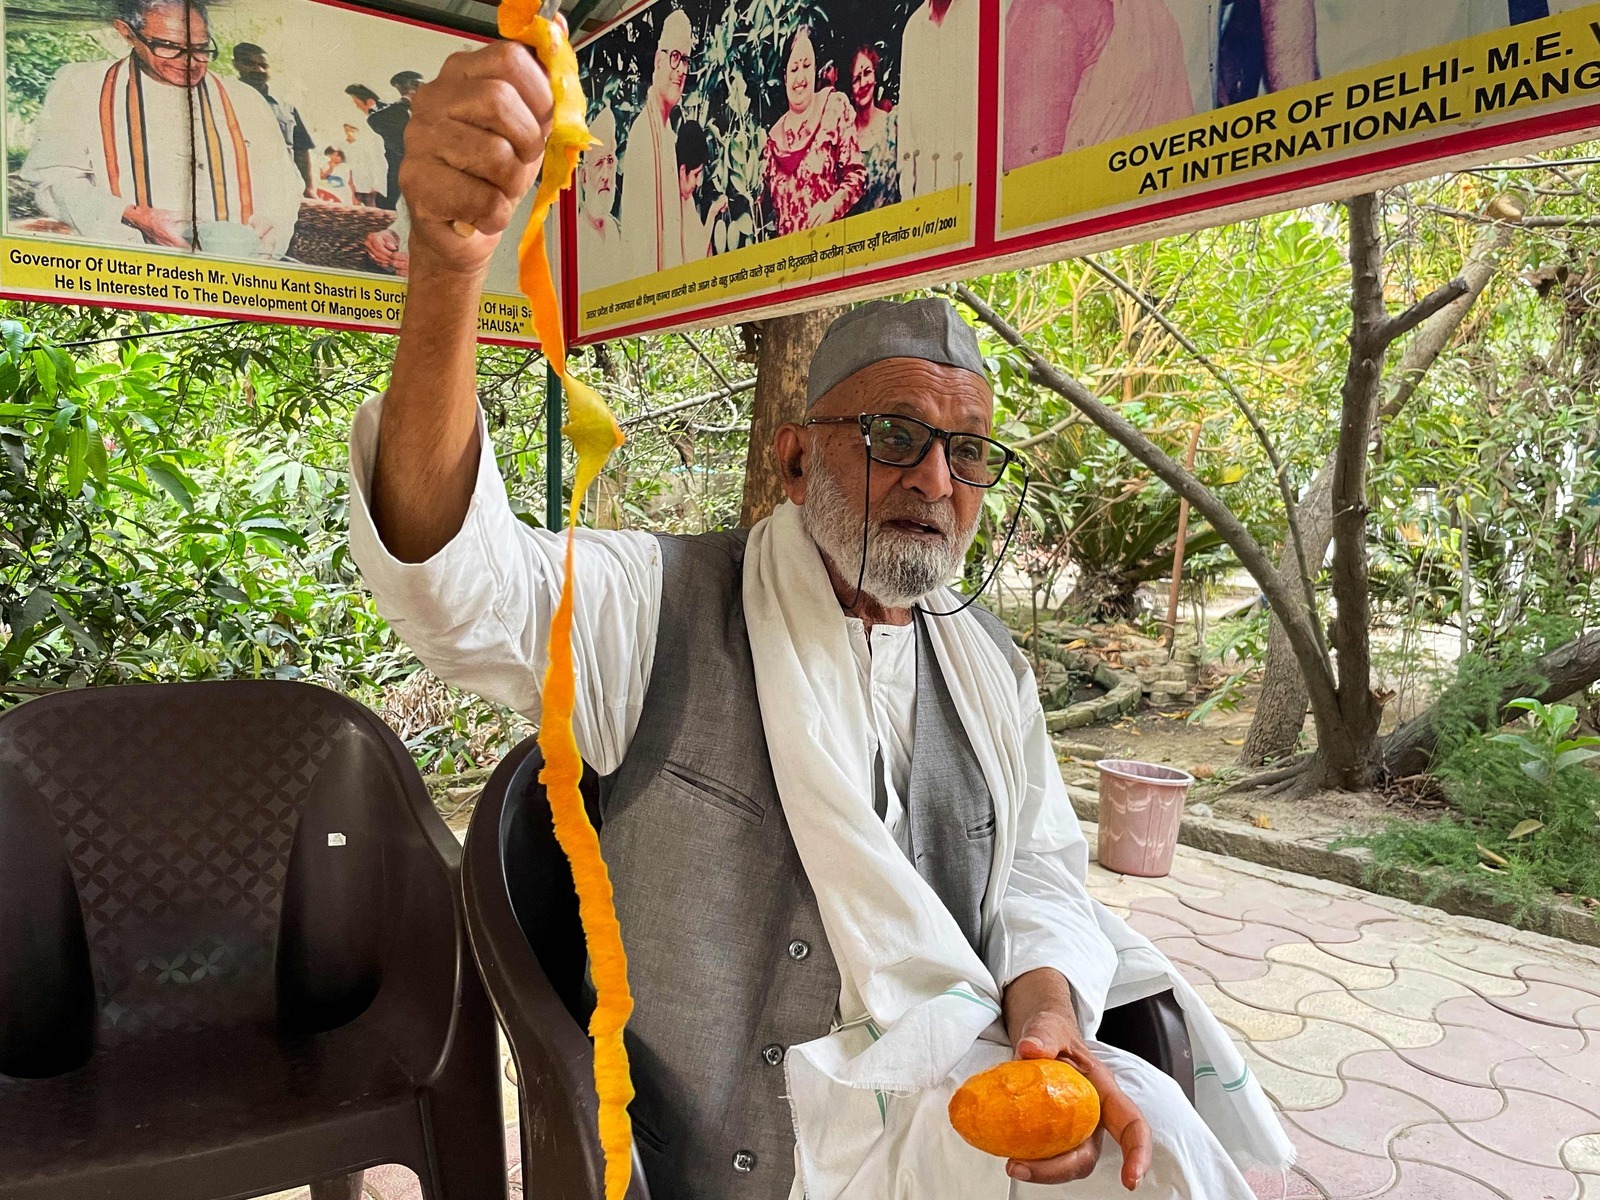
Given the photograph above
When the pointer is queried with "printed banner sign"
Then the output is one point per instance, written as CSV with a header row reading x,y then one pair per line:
x,y
755,156
238,160
750,148
762,157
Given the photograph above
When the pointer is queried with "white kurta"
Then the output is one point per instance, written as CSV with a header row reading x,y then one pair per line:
x,y
652,212
938,143
67,162
477,614
601,260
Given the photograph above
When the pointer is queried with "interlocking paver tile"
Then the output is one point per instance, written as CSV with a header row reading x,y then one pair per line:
x,y
1154,925
1320,1047
1312,928
1398,1032
1291,1090
1490,958
1531,1128
1582,1153
1414,994
1340,1172
1548,1079
1545,1040
1401,929
1279,988
1589,1187
1423,959
1441,1145
1587,1018
1365,1118
1120,891
1282,1185
1254,940
1456,1101
1419,1181
1346,914
1175,909
1551,1003
1350,974
1216,965
1256,1024
1465,1054
1235,902
1584,981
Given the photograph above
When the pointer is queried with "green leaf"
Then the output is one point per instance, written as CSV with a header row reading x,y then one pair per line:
x,y
1573,757
33,610
1523,829
173,483
77,459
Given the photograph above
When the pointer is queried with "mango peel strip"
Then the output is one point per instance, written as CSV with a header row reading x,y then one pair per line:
x,y
595,435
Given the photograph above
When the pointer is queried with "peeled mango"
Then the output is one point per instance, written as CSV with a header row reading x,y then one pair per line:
x,y
1027,1109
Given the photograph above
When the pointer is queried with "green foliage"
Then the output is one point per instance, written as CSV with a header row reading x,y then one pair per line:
x,y
1546,748
33,56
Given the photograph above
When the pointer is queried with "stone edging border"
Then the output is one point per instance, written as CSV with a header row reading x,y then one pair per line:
x,y
1123,693
1271,848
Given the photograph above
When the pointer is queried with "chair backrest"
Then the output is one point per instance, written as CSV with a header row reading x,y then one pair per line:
x,y
539,883
522,915
175,857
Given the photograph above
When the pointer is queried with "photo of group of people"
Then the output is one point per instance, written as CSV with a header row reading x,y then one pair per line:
x,y
256,130
1079,73
723,125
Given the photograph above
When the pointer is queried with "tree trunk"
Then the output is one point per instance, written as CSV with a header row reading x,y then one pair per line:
x,y
1282,703
782,364
1555,676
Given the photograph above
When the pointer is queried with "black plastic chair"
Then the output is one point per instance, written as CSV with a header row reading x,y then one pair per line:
x,y
522,914
232,957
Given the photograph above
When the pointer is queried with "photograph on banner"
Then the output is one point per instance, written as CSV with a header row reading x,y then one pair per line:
x,y
747,145
268,133
1110,103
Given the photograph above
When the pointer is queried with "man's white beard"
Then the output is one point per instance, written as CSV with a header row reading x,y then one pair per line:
x,y
901,568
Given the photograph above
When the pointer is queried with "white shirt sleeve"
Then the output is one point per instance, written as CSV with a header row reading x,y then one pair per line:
x,y
478,612
1047,914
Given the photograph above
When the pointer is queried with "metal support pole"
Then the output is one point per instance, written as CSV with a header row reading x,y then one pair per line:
x,y
552,449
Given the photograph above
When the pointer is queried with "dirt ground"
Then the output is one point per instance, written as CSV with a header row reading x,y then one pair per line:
x,y
1210,751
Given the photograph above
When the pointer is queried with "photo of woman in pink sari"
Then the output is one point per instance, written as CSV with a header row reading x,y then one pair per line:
x,y
811,167
1082,72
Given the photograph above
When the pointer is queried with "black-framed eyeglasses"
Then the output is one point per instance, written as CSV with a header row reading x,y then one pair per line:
x,y
169,51
676,59
896,440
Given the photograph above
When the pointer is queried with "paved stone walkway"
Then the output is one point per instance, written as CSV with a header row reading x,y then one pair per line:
x,y
1414,1055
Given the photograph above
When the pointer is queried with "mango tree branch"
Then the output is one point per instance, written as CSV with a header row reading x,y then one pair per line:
x,y
1285,491
1396,327
1314,664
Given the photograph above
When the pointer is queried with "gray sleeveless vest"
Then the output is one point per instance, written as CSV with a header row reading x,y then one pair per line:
x,y
727,956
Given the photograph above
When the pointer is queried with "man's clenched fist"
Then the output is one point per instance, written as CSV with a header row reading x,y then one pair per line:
x,y
473,149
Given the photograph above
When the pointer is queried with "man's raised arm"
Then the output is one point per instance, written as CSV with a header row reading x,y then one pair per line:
x,y
473,149
467,585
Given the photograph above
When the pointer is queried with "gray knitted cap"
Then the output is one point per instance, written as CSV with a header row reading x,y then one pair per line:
x,y
929,329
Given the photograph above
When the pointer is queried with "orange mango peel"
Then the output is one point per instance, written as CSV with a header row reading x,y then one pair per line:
x,y
594,434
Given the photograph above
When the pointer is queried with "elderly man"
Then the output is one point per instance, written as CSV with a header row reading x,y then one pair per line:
x,y
600,260
111,150
652,213
845,866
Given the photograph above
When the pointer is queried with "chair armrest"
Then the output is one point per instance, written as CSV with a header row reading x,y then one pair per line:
x,y
1154,1029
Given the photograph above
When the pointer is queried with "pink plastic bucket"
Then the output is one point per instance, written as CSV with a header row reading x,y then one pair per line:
x,y
1140,807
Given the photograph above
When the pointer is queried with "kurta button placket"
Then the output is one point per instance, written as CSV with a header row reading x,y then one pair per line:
x,y
744,1161
772,1055
798,950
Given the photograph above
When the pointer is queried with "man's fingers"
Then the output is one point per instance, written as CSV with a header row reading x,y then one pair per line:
x,y
441,193
482,155
1137,1151
515,64
495,106
1046,1035
1077,1163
